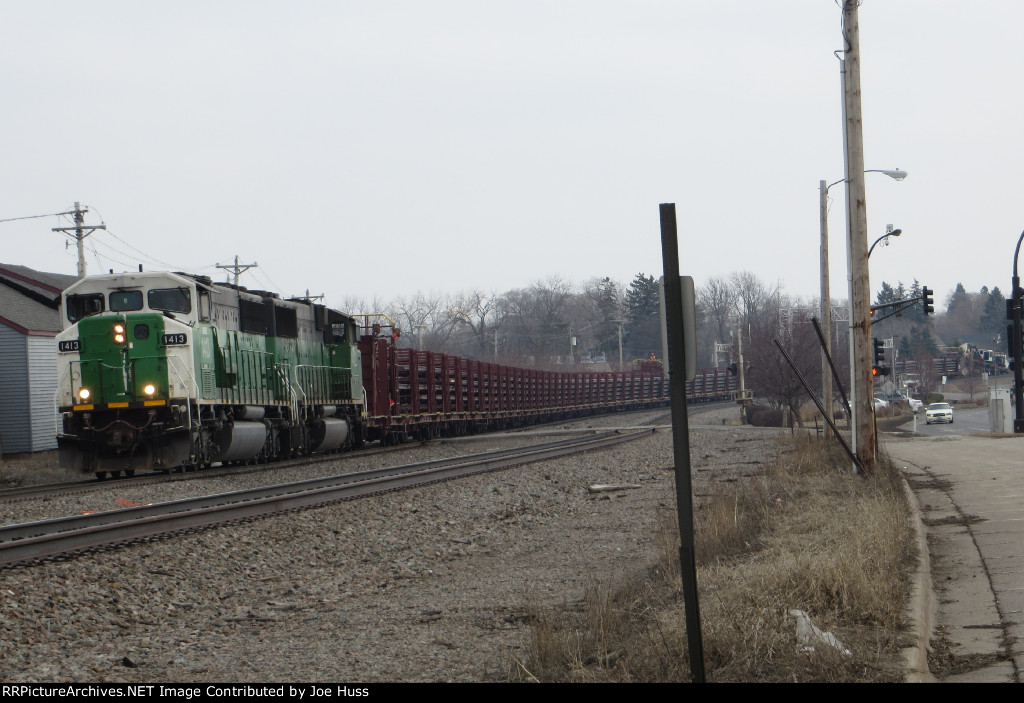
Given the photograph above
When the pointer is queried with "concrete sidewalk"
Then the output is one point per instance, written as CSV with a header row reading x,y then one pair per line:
x,y
970,490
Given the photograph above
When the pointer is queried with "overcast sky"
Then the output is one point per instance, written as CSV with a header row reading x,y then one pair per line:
x,y
376,149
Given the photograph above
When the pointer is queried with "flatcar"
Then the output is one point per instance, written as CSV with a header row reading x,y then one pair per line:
x,y
162,371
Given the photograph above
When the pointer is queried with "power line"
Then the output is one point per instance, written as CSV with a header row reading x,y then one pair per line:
x,y
32,217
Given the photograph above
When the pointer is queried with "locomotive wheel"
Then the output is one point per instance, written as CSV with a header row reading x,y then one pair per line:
x,y
101,475
130,473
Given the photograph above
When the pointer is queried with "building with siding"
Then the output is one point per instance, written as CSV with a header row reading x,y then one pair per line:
x,y
29,320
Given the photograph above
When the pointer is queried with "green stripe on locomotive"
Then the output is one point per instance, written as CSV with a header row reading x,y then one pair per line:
x,y
251,369
120,355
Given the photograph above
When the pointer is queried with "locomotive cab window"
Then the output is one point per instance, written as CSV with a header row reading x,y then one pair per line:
x,y
339,333
205,306
170,299
80,306
126,300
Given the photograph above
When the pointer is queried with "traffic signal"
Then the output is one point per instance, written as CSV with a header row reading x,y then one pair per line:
x,y
927,300
1012,345
879,368
879,347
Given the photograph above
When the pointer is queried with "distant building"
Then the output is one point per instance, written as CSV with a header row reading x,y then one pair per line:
x,y
29,320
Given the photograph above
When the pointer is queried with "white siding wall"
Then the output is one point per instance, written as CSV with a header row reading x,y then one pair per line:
x,y
15,422
42,373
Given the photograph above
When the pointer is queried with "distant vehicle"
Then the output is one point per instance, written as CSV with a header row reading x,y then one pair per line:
x,y
938,412
880,404
915,404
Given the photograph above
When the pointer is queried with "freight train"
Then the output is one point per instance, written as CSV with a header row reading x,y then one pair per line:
x,y
162,371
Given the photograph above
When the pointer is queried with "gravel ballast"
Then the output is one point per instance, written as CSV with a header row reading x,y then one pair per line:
x,y
428,584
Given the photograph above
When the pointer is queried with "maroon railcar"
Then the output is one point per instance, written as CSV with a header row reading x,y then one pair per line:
x,y
413,394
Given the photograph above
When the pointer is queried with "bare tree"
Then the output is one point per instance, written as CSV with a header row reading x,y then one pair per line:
x,y
752,296
771,376
416,315
717,302
475,312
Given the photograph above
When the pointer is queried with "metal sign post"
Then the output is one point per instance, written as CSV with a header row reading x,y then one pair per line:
x,y
681,437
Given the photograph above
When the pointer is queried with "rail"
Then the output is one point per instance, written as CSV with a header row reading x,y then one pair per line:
x,y
32,542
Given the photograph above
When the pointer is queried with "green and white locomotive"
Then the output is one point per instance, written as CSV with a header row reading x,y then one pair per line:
x,y
169,370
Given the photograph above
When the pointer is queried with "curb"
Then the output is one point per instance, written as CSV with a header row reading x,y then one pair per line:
x,y
921,609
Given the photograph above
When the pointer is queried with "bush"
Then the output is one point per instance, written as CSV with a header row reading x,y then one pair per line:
x,y
764,417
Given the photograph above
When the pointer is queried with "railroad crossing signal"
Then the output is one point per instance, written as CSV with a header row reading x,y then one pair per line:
x,y
927,300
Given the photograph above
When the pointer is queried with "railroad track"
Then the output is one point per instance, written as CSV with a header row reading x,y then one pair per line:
x,y
41,541
72,487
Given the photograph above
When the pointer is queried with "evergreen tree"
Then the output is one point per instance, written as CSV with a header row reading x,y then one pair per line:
x,y
915,313
643,308
888,294
906,349
605,295
956,298
993,315
921,343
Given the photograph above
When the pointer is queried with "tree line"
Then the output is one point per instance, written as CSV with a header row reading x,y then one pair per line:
x,y
554,324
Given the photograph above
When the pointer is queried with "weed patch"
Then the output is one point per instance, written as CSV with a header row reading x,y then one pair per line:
x,y
804,534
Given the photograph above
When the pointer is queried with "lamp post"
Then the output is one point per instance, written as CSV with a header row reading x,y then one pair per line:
x,y
1015,343
890,232
826,299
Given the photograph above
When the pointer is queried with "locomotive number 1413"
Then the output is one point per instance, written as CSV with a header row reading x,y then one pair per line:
x,y
176,338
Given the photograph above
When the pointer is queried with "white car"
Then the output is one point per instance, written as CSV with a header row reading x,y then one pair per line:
x,y
880,404
915,404
938,412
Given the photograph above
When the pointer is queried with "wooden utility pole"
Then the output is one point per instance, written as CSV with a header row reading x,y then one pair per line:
x,y
619,323
80,235
741,373
857,244
826,308
237,269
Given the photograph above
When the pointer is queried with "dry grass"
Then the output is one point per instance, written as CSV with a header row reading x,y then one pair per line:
x,y
806,535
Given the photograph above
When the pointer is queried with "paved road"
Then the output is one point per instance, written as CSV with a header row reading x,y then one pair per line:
x,y
971,493
965,421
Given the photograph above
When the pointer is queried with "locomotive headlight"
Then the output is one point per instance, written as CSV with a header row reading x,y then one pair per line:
x,y
84,393
119,335
149,389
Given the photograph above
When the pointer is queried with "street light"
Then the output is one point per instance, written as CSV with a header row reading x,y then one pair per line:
x,y
826,299
895,174
1015,332
889,232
